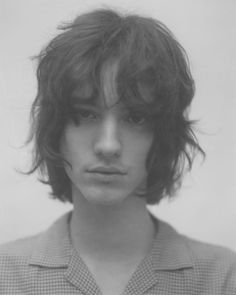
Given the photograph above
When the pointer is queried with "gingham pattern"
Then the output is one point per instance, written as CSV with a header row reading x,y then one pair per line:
x,y
48,264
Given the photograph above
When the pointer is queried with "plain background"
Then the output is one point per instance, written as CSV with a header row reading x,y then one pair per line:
x,y
205,208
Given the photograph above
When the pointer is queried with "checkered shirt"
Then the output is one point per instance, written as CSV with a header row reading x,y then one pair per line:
x,y
48,264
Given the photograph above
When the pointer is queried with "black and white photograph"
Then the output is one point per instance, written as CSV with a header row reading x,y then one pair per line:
x,y
118,147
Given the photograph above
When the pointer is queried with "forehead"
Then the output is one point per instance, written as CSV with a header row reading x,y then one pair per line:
x,y
107,94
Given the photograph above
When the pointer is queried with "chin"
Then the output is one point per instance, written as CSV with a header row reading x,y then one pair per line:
x,y
103,195
105,200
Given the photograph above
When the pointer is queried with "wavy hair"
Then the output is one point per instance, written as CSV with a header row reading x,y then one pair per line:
x,y
153,75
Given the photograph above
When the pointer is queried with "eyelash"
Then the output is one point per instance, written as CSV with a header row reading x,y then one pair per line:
x,y
80,112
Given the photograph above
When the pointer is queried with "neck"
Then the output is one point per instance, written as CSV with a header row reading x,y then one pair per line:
x,y
118,231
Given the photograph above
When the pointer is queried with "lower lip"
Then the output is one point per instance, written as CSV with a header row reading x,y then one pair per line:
x,y
105,177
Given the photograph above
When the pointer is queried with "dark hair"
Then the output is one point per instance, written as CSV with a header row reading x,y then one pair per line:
x,y
152,64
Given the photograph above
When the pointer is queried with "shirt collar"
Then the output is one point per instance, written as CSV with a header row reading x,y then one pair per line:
x,y
54,249
170,249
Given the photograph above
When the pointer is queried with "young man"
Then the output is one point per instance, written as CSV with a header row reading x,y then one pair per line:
x,y
112,134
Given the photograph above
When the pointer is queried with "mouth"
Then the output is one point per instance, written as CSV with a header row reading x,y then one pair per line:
x,y
105,173
102,177
107,170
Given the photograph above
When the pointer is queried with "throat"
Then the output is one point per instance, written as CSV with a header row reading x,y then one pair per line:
x,y
113,242
117,234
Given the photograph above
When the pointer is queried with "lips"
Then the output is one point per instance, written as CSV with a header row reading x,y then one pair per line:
x,y
107,170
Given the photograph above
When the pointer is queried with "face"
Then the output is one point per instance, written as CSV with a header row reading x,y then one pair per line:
x,y
107,147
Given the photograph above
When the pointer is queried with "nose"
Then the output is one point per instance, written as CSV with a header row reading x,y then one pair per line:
x,y
108,145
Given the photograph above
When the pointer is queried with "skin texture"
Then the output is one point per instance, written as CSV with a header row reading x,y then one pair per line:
x,y
106,136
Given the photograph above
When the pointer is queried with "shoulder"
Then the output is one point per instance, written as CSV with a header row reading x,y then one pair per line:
x,y
14,261
21,259
21,247
15,254
206,267
213,265
206,253
198,252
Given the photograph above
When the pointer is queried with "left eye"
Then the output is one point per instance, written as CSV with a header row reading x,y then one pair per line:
x,y
85,114
136,119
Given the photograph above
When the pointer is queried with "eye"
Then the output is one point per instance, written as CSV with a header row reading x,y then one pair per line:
x,y
86,114
136,118
82,115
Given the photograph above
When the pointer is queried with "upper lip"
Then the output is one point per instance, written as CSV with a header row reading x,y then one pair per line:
x,y
107,169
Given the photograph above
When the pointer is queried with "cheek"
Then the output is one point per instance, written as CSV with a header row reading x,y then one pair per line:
x,y
139,148
70,150
73,143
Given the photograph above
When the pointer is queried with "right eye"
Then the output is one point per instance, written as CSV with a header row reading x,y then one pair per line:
x,y
85,114
82,115
136,118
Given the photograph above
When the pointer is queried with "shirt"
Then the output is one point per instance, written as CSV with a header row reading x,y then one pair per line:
x,y
48,264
